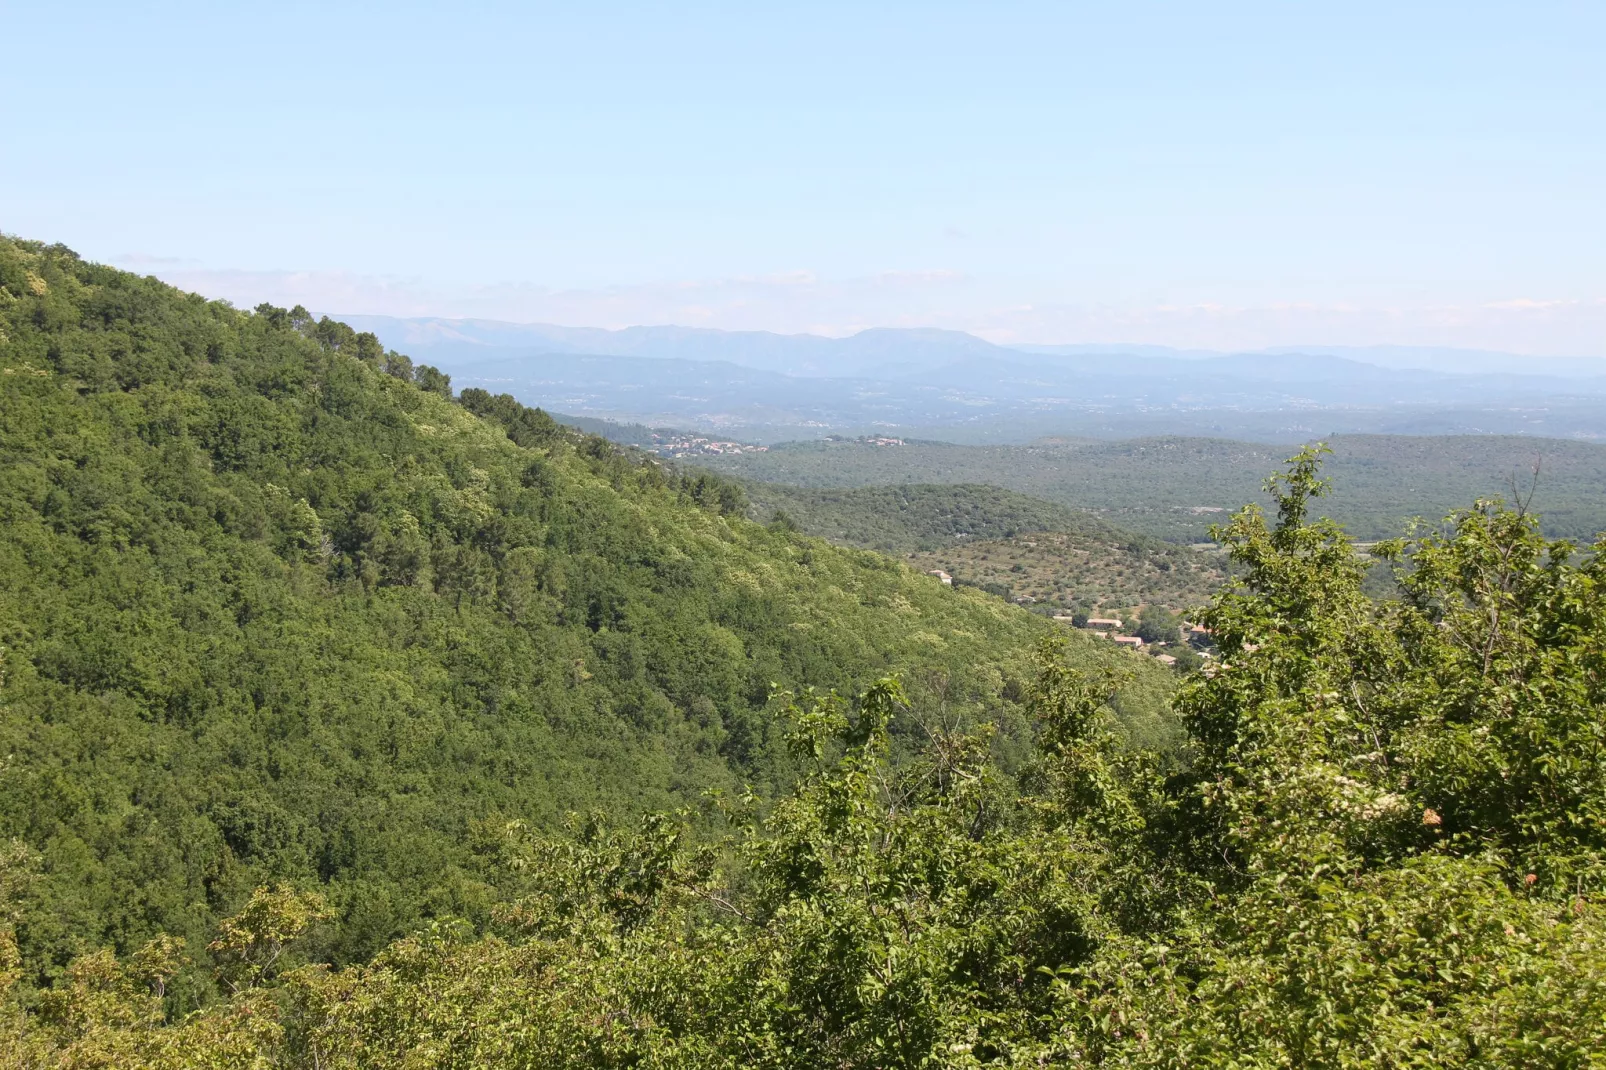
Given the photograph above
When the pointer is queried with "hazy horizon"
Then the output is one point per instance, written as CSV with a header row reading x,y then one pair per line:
x,y
1233,177
1559,328
1115,345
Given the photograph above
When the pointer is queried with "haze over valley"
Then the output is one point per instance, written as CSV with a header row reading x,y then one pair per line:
x,y
954,386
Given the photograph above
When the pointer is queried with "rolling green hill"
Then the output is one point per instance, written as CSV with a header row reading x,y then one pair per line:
x,y
1175,488
1007,543
275,605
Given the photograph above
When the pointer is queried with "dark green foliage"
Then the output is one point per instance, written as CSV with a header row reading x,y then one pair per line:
x,y
273,607
531,428
713,492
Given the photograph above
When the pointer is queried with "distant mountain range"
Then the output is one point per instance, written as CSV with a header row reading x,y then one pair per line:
x,y
952,384
874,353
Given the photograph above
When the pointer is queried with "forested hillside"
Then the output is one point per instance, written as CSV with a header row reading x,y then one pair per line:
x,y
274,606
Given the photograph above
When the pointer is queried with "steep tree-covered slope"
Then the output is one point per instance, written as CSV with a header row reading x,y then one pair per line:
x,y
274,605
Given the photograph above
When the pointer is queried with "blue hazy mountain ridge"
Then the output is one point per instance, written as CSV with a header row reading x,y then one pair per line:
x,y
948,383
869,352
805,354
906,351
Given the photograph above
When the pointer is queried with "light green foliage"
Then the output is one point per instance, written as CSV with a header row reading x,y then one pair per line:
x,y
250,944
1464,719
1378,899
873,917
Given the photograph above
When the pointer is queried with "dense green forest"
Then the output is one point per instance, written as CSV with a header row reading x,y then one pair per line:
x,y
1176,488
275,606
306,658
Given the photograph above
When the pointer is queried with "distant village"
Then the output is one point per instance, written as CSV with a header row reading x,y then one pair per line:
x,y
866,440
680,445
1196,636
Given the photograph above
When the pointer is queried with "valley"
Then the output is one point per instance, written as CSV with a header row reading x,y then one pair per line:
x,y
1175,488
956,387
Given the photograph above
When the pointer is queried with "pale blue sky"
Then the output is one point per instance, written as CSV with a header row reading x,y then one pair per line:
x,y
1223,173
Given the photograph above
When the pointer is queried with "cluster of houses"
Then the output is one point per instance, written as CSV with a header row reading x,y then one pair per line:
x,y
1110,627
697,446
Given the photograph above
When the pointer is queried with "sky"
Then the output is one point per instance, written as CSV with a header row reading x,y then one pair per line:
x,y
1219,175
